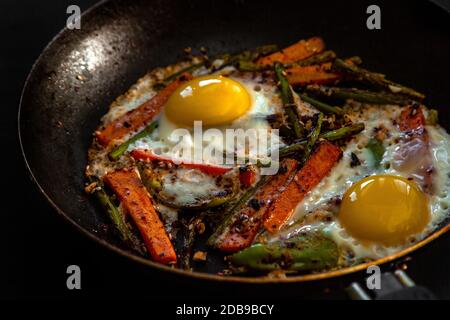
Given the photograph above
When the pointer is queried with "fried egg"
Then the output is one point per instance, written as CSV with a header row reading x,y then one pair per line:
x,y
219,103
355,205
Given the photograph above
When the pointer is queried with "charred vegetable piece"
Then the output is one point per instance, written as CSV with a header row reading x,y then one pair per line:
x,y
190,231
312,138
377,150
189,69
136,119
309,252
341,133
251,55
326,56
118,220
136,201
375,79
231,211
344,132
321,106
315,74
245,65
287,98
301,75
298,51
315,169
359,95
319,58
116,153
240,229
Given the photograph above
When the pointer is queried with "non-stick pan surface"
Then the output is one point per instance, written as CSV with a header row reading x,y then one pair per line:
x,y
82,71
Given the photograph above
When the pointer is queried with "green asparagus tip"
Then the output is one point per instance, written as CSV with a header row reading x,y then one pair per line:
x,y
116,153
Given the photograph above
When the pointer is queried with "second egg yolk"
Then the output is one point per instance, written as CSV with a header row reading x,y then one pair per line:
x,y
384,209
214,100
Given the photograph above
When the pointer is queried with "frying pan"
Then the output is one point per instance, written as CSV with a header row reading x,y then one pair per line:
x,y
82,71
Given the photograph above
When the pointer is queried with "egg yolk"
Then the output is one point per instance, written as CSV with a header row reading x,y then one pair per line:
x,y
384,209
214,100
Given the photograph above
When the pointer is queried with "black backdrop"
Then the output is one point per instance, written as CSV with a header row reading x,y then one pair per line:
x,y
37,245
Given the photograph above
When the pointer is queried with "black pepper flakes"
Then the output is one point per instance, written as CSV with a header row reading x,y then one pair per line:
x,y
255,204
354,162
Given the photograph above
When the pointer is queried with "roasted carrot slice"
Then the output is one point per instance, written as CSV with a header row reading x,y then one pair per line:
x,y
135,199
137,118
148,155
314,170
315,74
298,51
246,224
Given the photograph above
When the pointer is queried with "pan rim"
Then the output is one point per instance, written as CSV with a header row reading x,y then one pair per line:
x,y
193,274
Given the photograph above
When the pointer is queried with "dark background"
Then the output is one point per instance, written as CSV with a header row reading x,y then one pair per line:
x,y
39,245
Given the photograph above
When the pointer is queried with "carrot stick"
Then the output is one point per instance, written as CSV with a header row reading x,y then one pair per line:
x,y
136,201
148,155
247,220
137,118
314,74
298,51
314,170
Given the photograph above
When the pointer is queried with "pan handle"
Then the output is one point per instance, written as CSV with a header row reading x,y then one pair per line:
x,y
396,285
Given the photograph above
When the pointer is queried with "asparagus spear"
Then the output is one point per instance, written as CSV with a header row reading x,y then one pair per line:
x,y
358,95
173,76
343,132
288,101
251,55
188,243
377,149
303,253
312,138
228,59
228,214
332,135
245,65
246,57
375,79
319,58
321,106
117,152
118,221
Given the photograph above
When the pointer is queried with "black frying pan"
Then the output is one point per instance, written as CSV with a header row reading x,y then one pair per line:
x,y
81,72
